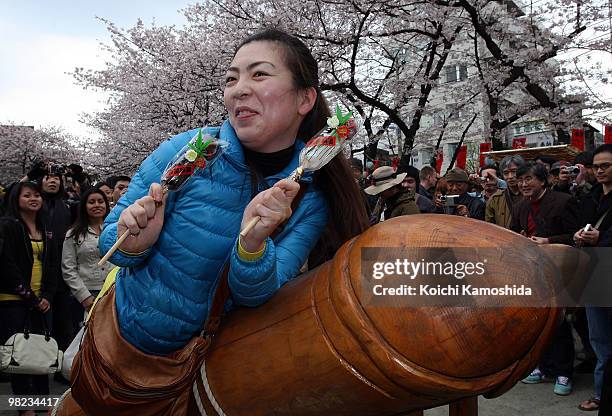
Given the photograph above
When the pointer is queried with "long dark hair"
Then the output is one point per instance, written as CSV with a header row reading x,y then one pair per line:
x,y
81,224
12,206
348,215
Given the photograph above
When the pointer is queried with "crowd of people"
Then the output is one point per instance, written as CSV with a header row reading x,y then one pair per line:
x,y
547,201
49,229
53,219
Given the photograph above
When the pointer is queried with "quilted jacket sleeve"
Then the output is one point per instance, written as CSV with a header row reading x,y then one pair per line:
x,y
149,172
254,282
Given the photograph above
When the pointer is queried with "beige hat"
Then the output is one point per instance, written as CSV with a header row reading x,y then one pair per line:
x,y
384,178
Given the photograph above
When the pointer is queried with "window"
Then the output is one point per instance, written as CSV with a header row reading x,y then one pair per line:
x,y
456,73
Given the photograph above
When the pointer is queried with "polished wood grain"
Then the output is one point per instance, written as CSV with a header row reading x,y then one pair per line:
x,y
319,348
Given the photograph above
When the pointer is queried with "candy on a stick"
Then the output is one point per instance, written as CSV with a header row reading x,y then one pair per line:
x,y
319,150
201,151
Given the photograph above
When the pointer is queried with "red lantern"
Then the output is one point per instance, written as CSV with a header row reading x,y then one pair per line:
x,y
462,157
439,160
484,147
395,162
578,139
608,134
519,142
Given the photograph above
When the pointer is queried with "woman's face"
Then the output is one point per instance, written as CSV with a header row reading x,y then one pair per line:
x,y
264,106
96,208
29,200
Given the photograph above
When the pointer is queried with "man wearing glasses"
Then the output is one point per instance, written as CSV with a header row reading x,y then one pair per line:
x,y
595,210
548,217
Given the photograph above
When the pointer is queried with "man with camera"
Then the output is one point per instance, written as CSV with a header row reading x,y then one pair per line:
x,y
595,231
458,201
50,177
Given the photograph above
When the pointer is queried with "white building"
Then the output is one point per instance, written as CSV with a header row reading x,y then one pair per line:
x,y
455,100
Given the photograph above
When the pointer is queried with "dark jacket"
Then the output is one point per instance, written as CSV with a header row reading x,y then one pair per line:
x,y
424,192
557,219
57,224
58,218
475,206
426,206
402,203
592,208
16,260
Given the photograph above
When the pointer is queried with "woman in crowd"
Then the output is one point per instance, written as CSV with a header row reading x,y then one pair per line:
x,y
80,254
177,250
30,270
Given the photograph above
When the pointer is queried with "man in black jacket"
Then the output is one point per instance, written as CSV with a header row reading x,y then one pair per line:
x,y
545,216
596,211
548,217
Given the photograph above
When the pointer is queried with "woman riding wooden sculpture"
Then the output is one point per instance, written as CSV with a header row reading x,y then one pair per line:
x,y
183,245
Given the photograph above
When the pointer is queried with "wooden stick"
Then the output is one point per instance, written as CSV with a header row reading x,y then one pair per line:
x,y
114,248
295,176
126,233
250,226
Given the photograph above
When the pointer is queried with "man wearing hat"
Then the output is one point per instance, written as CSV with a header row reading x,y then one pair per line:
x,y
410,183
392,197
466,205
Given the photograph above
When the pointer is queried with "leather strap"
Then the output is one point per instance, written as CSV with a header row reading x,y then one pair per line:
x,y
602,218
222,292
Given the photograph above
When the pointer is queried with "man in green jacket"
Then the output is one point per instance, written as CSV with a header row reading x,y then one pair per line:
x,y
499,206
393,198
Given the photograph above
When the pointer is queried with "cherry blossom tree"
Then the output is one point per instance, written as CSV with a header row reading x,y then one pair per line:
x,y
23,146
386,59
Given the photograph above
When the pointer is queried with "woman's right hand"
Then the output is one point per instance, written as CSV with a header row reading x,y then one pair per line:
x,y
144,219
43,305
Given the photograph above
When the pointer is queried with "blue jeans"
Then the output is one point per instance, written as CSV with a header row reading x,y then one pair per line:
x,y
600,334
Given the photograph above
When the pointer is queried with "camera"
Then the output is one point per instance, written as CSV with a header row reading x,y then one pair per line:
x,y
572,170
56,169
449,200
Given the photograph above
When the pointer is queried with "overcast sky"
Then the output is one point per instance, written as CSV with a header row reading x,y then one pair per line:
x,y
43,40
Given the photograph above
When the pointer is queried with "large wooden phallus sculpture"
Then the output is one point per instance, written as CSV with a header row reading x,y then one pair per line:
x,y
318,348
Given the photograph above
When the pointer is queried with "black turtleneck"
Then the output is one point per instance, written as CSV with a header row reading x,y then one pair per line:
x,y
268,164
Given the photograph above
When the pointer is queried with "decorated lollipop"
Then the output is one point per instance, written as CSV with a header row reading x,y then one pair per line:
x,y
319,150
201,151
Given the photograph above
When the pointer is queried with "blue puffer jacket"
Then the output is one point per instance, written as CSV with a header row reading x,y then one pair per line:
x,y
163,294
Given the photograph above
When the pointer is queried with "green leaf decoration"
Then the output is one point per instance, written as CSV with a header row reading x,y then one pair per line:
x,y
343,118
199,146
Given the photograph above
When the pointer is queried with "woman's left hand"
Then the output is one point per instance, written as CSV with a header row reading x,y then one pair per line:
x,y
274,207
